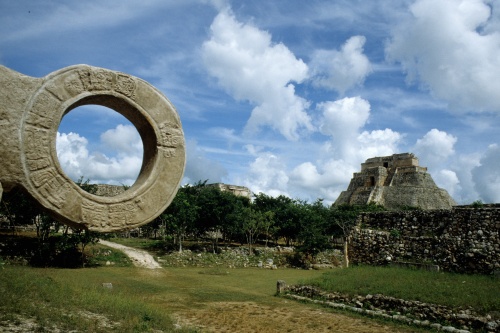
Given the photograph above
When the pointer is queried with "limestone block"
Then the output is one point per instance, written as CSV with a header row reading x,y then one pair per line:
x,y
31,110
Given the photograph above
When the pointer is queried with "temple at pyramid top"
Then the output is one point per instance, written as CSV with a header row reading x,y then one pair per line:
x,y
395,182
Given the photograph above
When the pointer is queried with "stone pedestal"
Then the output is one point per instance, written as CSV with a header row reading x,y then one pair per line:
x,y
280,286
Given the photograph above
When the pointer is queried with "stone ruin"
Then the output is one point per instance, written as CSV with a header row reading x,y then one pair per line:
x,y
31,110
395,182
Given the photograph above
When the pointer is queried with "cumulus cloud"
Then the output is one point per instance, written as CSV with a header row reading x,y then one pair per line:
x,y
325,180
343,121
448,180
267,174
452,49
435,147
486,176
378,143
341,70
250,67
343,118
124,139
122,167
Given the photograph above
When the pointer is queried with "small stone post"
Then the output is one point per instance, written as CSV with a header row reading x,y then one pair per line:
x,y
280,286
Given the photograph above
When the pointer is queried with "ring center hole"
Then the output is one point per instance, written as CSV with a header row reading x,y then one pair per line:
x,y
98,146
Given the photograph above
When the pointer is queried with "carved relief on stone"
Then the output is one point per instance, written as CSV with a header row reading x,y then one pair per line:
x,y
41,111
38,119
73,85
125,85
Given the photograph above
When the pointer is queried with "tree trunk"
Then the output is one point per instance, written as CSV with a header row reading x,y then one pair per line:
x,y
346,254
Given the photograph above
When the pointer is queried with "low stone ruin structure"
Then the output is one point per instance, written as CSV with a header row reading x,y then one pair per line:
x,y
464,239
395,182
237,190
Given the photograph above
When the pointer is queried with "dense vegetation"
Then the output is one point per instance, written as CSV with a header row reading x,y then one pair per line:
x,y
199,212
56,244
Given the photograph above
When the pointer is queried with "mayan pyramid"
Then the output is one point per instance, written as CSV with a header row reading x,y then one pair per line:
x,y
395,182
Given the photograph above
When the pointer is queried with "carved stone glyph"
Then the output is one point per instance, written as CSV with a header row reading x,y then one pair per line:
x,y
31,110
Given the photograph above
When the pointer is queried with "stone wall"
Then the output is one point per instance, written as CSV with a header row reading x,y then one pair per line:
x,y
464,239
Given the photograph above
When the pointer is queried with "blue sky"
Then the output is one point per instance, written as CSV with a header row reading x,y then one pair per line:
x,y
284,97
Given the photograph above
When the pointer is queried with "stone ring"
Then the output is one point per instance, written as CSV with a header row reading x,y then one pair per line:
x,y
40,114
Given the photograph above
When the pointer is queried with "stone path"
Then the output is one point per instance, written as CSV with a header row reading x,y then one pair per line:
x,y
139,258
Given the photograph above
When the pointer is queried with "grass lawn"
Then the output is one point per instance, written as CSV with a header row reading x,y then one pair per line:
x,y
480,292
180,299
218,299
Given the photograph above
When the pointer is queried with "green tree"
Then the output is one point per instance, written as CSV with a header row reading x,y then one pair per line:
x,y
58,244
287,215
251,222
181,214
217,213
314,234
19,208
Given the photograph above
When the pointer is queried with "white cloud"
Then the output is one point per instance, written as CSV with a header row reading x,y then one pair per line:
x,y
124,139
434,148
267,174
464,192
448,180
451,48
486,176
71,150
250,67
378,143
343,120
341,70
76,160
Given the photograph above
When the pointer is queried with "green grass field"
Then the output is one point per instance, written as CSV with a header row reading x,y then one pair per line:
x,y
143,300
140,299
482,293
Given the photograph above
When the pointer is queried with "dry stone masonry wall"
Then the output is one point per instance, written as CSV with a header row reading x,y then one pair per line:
x,y
464,239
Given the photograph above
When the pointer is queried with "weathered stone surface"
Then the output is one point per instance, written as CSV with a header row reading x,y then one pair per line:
x,y
395,181
31,110
464,239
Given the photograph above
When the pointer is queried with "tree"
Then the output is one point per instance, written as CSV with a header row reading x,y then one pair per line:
x,y
251,223
217,212
58,244
19,208
287,215
181,214
314,234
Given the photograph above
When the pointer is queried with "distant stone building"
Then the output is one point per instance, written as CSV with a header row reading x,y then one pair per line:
x,y
241,191
394,182
104,190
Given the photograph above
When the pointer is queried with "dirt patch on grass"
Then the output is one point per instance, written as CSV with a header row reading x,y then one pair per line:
x,y
249,317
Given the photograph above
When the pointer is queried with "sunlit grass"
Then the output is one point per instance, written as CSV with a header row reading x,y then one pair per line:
x,y
455,290
139,300
58,297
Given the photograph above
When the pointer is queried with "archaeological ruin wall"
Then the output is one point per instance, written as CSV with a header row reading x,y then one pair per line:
x,y
464,239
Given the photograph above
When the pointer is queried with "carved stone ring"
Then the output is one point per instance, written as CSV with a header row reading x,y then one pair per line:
x,y
31,110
